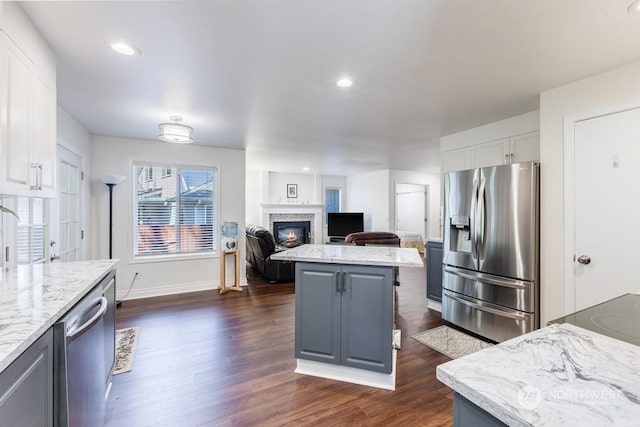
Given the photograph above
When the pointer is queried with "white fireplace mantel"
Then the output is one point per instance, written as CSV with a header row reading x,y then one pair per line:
x,y
269,210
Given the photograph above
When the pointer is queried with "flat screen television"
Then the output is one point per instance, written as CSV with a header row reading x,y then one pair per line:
x,y
340,224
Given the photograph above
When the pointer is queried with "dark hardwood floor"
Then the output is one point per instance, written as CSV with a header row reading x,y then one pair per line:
x,y
205,359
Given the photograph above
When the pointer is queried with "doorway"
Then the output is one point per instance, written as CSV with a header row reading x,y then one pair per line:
x,y
602,202
68,209
412,205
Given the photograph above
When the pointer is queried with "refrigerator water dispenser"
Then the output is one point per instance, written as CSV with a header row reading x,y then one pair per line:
x,y
460,233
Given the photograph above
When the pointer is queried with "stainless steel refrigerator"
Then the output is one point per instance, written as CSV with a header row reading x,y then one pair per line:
x,y
491,250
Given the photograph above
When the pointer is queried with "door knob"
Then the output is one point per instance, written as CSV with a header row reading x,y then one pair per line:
x,y
584,259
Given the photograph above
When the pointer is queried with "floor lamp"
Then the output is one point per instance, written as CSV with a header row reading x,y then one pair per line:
x,y
111,181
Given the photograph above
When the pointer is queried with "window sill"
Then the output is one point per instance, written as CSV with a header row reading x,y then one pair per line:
x,y
173,258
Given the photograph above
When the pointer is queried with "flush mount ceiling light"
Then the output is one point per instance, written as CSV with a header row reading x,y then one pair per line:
x,y
634,7
124,48
175,132
344,82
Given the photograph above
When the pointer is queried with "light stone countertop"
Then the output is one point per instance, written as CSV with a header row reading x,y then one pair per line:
x,y
558,375
350,254
33,298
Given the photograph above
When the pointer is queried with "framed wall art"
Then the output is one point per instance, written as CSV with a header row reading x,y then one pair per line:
x,y
292,191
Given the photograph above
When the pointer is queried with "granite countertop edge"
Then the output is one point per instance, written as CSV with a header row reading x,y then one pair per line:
x,y
33,298
357,255
560,374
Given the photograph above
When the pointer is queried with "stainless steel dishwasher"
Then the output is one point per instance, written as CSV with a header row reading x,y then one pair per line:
x,y
80,363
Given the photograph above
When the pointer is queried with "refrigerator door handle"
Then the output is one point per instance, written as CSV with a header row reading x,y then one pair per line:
x,y
481,219
472,223
482,277
499,312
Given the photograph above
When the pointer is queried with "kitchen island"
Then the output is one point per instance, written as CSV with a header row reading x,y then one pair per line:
x,y
558,375
33,298
57,341
344,314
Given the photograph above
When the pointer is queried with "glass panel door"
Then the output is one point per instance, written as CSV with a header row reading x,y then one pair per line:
x,y
69,197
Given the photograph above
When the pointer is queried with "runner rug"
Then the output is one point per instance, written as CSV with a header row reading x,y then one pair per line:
x,y
126,341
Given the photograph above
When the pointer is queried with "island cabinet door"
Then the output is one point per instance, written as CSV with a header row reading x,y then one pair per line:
x,y
318,302
26,387
367,318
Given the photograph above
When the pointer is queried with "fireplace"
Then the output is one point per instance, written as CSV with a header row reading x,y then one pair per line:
x,y
291,233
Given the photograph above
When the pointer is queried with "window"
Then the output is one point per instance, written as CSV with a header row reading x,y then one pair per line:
x,y
166,172
177,215
31,230
331,201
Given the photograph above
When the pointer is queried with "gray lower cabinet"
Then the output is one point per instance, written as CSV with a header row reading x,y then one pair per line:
x,y
26,387
434,270
344,315
468,414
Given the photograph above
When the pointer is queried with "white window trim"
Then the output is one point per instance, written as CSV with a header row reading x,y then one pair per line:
x,y
133,259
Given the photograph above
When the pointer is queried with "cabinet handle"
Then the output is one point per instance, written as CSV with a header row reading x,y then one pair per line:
x,y
35,176
338,285
344,280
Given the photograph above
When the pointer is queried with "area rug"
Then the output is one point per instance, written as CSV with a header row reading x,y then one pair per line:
x,y
126,341
450,342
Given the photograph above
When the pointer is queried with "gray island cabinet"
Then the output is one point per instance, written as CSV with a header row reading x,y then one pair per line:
x,y
344,315
26,386
345,311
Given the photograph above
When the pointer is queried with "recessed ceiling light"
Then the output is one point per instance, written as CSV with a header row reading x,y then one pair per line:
x,y
344,82
306,168
124,48
634,7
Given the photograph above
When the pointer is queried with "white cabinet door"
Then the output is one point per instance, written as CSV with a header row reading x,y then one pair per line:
x,y
17,117
28,127
44,135
491,153
525,147
457,160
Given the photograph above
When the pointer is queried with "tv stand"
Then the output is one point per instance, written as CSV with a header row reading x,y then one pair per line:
x,y
336,239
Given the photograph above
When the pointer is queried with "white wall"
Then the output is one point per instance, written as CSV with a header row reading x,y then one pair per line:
x,y
607,89
253,197
75,138
307,192
369,193
111,155
411,177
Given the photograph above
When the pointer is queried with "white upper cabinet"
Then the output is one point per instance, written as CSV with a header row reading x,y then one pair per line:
x,y
491,153
457,160
524,148
28,123
512,140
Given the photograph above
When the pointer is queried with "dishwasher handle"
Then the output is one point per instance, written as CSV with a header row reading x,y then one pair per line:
x,y
76,332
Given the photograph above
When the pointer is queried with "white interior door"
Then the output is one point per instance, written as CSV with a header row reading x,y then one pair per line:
x,y
607,206
411,208
69,210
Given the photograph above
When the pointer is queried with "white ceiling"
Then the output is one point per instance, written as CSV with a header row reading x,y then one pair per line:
x,y
260,74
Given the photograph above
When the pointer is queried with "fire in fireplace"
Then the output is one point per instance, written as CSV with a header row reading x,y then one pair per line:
x,y
291,233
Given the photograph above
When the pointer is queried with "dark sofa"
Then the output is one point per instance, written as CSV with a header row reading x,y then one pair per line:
x,y
260,246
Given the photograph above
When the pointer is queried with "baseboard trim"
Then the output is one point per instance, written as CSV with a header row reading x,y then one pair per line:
x,y
159,291
348,374
434,305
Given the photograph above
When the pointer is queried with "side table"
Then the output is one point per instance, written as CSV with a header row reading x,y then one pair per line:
x,y
223,272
